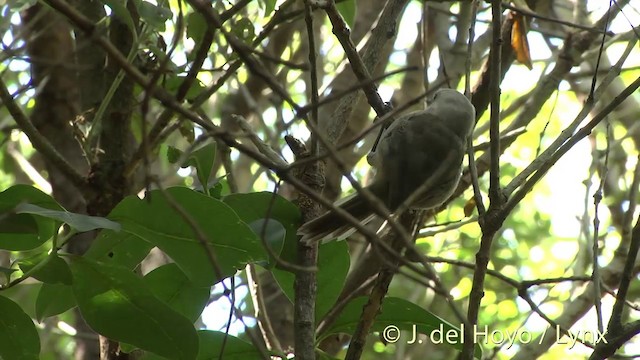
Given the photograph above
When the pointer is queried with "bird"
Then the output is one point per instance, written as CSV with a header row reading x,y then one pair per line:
x,y
419,147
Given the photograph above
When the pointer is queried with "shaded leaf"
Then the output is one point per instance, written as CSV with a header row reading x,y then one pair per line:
x,y
53,269
20,232
23,231
18,336
116,303
54,299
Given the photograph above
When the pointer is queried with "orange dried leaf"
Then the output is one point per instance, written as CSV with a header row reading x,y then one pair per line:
x,y
519,41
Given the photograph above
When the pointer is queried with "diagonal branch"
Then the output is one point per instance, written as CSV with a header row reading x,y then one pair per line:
x,y
40,142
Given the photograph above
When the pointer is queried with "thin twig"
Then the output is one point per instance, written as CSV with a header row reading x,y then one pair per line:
x,y
488,223
598,195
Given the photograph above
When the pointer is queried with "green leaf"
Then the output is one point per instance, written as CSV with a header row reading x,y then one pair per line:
x,y
155,220
154,15
260,205
187,128
116,303
234,349
400,313
273,233
54,299
20,232
18,336
202,159
120,10
169,284
196,26
244,29
173,156
333,265
269,6
220,188
52,270
347,9
79,222
173,83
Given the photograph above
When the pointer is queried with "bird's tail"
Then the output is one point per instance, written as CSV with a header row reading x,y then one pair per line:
x,y
331,225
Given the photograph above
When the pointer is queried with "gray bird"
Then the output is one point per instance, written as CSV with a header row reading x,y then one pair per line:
x,y
414,148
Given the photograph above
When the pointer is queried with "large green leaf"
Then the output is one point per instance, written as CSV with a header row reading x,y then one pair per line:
x,y
155,220
401,315
333,265
18,336
169,284
116,303
24,231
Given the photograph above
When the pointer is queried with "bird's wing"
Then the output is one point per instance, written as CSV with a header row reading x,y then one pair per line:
x,y
413,151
